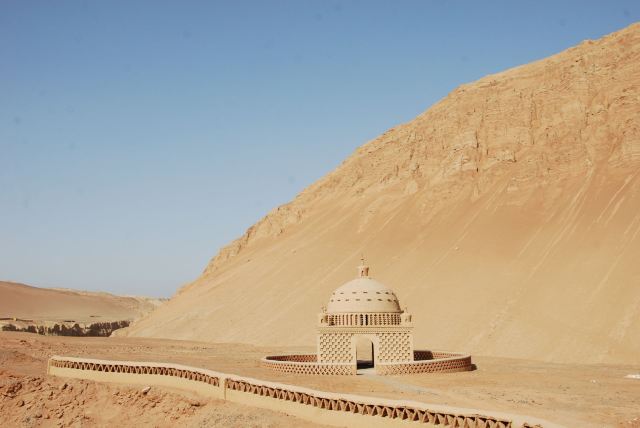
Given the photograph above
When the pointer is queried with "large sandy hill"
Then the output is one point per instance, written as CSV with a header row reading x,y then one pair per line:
x,y
506,217
56,305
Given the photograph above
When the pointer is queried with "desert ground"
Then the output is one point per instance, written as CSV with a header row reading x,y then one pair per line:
x,y
30,398
573,395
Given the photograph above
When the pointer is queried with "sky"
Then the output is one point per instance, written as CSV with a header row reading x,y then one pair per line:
x,y
139,137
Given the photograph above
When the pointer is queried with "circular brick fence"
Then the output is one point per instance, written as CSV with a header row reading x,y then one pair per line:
x,y
424,362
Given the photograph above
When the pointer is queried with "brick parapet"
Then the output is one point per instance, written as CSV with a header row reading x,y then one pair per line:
x,y
424,362
367,329
456,363
306,364
292,399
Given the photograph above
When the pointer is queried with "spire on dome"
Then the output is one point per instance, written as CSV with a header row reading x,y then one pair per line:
x,y
363,270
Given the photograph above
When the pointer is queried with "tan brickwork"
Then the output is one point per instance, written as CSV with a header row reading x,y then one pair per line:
x,y
295,400
335,348
364,308
395,347
430,362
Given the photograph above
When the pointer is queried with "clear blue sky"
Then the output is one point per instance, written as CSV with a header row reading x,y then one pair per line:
x,y
138,137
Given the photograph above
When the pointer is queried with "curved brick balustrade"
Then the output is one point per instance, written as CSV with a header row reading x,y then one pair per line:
x,y
424,362
306,364
429,362
430,355
300,358
289,398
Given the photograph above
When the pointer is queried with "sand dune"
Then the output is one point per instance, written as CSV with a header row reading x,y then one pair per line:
x,y
56,305
507,218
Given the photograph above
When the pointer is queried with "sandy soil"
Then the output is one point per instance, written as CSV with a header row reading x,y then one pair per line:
x,y
30,398
572,395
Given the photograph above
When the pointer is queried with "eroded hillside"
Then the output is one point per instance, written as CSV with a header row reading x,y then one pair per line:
x,y
506,217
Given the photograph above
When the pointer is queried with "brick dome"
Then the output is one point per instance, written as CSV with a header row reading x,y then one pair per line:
x,y
363,295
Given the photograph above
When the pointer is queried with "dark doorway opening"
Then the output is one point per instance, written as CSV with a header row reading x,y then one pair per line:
x,y
365,353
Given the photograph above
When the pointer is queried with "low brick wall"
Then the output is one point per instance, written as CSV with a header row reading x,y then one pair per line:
x,y
424,362
135,368
320,406
299,358
306,364
456,363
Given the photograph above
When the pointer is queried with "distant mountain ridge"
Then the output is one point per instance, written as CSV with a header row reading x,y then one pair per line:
x,y
506,216
58,311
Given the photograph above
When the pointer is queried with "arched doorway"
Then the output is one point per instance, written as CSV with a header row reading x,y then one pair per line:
x,y
365,353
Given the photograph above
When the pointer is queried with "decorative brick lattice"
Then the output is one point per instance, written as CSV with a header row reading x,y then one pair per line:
x,y
335,348
366,406
306,364
298,358
425,362
194,374
453,363
394,347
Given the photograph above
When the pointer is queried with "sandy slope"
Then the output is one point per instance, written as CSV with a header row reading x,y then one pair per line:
x,y
507,218
46,304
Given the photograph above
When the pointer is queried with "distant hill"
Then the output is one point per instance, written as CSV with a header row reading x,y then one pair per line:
x,y
506,217
26,303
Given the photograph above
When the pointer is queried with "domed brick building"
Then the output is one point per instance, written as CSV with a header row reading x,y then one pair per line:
x,y
365,312
364,308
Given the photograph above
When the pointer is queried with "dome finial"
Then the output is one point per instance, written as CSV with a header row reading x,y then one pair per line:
x,y
363,269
